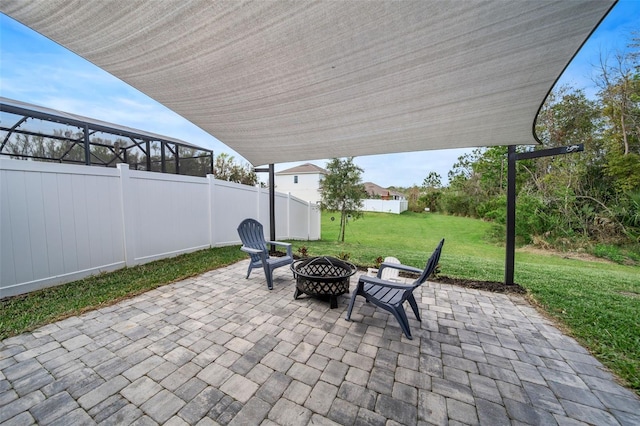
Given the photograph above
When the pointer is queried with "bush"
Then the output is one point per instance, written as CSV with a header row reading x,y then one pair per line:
x,y
494,210
458,204
343,255
610,252
431,200
530,217
416,206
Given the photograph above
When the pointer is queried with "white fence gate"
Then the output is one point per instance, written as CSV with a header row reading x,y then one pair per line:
x,y
60,223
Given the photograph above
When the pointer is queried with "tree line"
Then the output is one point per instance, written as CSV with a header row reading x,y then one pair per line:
x,y
569,201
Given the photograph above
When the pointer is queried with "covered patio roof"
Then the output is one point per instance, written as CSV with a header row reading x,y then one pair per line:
x,y
291,80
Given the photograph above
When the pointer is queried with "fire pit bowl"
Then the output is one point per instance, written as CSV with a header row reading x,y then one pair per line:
x,y
323,276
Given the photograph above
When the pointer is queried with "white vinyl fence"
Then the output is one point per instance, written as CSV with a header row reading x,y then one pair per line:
x,y
385,206
60,223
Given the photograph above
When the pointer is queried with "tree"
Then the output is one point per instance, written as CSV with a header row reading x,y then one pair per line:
x,y
619,84
225,168
342,190
432,181
571,187
414,198
431,188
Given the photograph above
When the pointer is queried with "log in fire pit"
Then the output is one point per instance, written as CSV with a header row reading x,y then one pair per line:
x,y
323,276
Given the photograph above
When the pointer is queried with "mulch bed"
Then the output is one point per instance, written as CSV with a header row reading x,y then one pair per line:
x,y
493,286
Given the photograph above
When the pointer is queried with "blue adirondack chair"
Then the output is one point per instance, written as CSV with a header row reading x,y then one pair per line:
x,y
253,242
391,295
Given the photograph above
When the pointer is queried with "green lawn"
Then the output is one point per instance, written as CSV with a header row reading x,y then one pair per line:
x,y
27,312
597,302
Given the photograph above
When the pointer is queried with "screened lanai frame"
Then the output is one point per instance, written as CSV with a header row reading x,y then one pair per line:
x,y
30,132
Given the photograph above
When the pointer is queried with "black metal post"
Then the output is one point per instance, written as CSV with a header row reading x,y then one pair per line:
x,y
272,204
513,156
511,216
163,166
177,155
87,146
148,148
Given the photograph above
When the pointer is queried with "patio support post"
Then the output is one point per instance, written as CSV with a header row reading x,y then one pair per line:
x,y
272,201
511,216
513,156
272,204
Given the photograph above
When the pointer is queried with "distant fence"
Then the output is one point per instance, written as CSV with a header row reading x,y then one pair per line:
x,y
60,223
385,206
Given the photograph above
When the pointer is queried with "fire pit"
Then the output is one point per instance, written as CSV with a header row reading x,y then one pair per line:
x,y
323,276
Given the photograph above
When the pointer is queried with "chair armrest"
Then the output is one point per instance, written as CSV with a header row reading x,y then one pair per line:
x,y
279,243
384,283
399,266
251,250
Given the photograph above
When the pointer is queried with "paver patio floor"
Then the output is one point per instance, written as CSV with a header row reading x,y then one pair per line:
x,y
220,349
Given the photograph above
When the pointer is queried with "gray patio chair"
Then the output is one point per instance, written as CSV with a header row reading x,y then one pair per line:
x,y
391,295
253,242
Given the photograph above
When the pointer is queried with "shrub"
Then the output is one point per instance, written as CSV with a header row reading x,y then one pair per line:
x,y
303,251
610,252
344,255
458,204
530,217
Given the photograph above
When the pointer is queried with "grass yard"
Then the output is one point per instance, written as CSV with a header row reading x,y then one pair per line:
x,y
597,302
29,311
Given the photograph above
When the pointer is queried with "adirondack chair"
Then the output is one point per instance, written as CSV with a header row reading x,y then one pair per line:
x,y
389,274
253,242
391,295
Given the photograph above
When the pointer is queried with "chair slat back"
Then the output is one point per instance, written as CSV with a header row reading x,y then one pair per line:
x,y
252,235
430,266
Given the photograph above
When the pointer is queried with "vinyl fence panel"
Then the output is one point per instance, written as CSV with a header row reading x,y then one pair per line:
x,y
171,214
385,206
299,227
231,204
60,223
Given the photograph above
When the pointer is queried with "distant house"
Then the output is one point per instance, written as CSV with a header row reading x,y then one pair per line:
x,y
383,200
376,191
301,181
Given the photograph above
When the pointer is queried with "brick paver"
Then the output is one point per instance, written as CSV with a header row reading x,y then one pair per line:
x,y
218,349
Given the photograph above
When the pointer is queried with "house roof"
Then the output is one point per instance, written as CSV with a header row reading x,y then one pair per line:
x,y
302,169
285,81
377,190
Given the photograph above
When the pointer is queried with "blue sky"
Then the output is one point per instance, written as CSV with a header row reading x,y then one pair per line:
x,y
35,70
